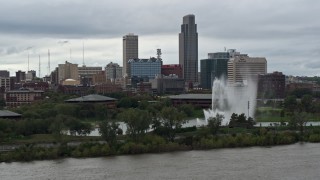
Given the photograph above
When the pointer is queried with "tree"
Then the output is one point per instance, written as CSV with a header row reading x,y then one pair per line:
x,y
188,109
108,131
306,102
143,104
290,104
171,120
214,123
77,127
100,111
233,120
298,121
127,102
137,121
241,121
56,128
66,109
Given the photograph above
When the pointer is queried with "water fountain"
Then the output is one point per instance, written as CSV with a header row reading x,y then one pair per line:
x,y
239,98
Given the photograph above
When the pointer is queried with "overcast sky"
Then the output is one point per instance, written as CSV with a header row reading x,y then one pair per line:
x,y
286,32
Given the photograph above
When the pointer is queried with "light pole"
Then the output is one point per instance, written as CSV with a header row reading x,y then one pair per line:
x,y
248,108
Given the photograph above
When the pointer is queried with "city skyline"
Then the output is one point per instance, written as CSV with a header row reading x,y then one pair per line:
x,y
285,32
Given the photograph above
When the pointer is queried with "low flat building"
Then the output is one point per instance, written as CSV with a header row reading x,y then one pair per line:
x,y
22,96
144,88
271,85
200,100
43,86
5,114
169,69
74,90
168,85
107,88
95,98
299,86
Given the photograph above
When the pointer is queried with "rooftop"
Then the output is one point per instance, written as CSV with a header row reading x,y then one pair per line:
x,y
191,96
91,98
6,113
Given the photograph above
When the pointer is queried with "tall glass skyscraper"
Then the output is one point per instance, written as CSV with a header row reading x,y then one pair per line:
x,y
130,51
188,49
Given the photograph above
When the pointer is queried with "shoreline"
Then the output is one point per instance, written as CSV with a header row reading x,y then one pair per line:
x,y
87,149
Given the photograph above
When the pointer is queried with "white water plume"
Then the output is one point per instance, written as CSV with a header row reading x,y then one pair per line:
x,y
228,99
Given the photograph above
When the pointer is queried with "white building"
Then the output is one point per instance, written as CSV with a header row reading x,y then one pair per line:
x,y
242,68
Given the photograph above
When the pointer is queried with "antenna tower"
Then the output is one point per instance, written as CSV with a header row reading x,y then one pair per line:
x,y
159,53
39,67
83,54
28,60
48,62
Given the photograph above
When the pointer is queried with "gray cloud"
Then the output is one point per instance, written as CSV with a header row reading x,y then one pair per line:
x,y
283,31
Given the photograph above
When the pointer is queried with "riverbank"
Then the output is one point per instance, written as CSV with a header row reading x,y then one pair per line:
x,y
150,143
295,161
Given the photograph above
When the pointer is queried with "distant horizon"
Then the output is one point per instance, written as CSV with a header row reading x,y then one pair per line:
x,y
288,37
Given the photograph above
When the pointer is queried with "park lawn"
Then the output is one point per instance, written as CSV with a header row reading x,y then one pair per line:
x,y
269,118
274,118
268,109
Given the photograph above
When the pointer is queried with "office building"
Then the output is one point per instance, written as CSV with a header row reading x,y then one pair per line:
x,y
86,74
113,71
145,67
188,49
243,68
216,66
130,51
171,69
20,76
16,98
4,73
167,84
4,84
30,75
99,78
271,85
67,71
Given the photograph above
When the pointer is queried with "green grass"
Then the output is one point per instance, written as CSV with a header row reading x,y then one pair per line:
x,y
262,118
276,118
268,109
49,138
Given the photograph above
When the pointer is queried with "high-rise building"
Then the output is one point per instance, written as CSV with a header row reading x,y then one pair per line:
x,y
20,76
243,68
113,71
215,66
67,71
4,73
4,84
130,51
30,75
188,49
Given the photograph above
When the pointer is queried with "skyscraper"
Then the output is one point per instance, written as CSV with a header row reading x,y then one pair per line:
x,y
216,66
130,50
188,49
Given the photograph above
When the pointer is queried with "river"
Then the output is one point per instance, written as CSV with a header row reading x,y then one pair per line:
x,y
297,161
